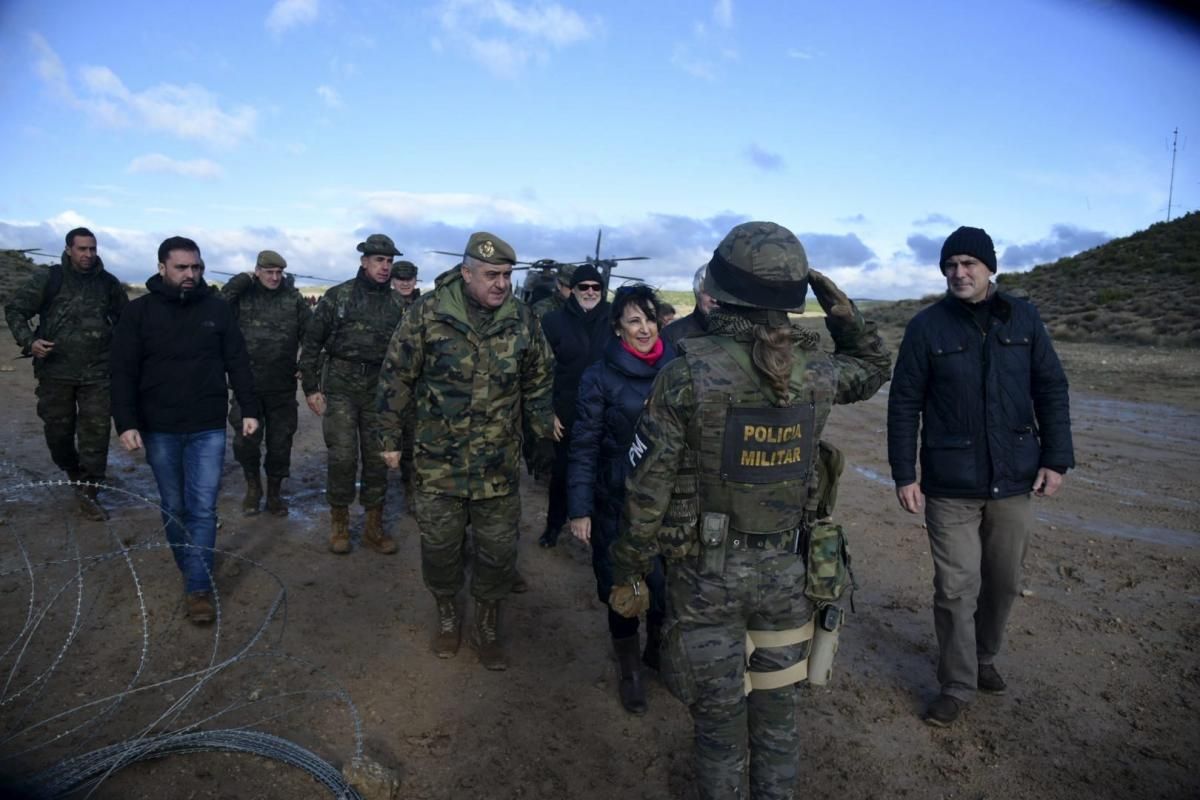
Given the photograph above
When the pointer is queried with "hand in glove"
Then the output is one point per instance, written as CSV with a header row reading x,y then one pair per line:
x,y
833,300
630,599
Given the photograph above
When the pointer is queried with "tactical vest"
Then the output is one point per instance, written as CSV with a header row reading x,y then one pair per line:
x,y
755,459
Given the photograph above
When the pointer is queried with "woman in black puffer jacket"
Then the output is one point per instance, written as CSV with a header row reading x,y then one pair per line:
x,y
611,395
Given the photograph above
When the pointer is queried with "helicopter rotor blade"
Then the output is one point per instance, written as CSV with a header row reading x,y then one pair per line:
x,y
293,274
599,233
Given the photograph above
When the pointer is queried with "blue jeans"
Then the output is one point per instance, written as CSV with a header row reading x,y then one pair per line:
x,y
187,467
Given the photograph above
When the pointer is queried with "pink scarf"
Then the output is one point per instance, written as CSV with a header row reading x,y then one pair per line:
x,y
651,357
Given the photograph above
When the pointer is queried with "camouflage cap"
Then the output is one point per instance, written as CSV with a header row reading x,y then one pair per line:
x,y
565,273
760,265
269,258
490,248
404,269
378,245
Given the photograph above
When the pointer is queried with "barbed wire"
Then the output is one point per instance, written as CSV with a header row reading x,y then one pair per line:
x,y
26,732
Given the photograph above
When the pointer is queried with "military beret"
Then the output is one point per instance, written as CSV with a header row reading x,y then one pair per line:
x,y
378,245
490,248
404,269
269,258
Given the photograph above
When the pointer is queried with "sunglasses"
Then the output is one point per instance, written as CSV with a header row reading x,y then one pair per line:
x,y
588,287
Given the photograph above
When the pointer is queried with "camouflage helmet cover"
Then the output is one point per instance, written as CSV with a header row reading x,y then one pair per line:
x,y
759,265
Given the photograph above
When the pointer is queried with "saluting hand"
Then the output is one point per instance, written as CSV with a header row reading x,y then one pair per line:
x,y
833,300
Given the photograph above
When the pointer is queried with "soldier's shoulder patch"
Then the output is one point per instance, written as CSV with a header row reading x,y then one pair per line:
x,y
639,449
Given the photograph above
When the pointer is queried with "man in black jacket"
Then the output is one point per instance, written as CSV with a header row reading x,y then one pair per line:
x,y
577,334
695,323
978,374
171,351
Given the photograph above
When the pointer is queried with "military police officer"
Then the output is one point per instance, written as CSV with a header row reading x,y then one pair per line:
x,y
728,443
273,317
339,370
466,361
77,304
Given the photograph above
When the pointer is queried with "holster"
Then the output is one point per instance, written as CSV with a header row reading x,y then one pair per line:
x,y
714,529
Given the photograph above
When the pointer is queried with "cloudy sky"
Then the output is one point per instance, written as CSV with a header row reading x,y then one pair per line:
x,y
871,128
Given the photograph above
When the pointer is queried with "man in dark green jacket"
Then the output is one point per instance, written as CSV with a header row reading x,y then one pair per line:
x,y
466,361
273,316
77,304
352,326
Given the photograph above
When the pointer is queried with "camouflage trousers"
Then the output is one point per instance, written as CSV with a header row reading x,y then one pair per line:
x,y
443,522
407,436
704,664
72,412
351,427
277,427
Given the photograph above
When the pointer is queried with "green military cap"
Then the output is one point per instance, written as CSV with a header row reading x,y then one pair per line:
x,y
404,269
378,245
490,248
566,272
269,258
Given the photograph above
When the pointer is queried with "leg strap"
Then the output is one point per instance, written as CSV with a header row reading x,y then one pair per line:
x,y
783,677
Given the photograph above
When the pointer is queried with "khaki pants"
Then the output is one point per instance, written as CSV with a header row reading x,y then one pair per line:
x,y
978,548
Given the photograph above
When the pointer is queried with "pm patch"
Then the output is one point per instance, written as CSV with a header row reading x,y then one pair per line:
x,y
767,445
641,447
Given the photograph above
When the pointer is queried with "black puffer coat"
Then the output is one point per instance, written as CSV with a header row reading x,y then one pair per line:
x,y
577,338
992,408
611,395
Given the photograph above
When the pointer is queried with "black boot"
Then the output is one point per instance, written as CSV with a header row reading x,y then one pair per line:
x,y
548,539
254,493
275,503
653,642
631,689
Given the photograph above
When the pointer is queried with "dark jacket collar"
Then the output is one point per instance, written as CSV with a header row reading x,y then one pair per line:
x,y
157,286
620,359
1001,305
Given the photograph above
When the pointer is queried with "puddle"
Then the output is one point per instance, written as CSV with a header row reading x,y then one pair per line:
x,y
1137,533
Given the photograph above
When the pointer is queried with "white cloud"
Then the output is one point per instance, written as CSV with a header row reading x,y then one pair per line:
x,y
186,112
527,29
450,207
156,162
290,13
723,13
800,54
330,96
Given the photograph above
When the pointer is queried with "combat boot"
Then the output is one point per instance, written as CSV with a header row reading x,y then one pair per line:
x,y
449,628
89,503
374,536
486,636
631,689
253,493
276,505
653,643
339,536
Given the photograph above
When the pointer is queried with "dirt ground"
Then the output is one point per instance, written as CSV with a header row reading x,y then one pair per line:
x,y
1101,660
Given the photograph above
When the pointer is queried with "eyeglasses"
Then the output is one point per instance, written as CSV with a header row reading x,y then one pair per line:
x,y
588,287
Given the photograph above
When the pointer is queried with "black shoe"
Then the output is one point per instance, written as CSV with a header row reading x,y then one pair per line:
x,y
943,711
989,680
547,540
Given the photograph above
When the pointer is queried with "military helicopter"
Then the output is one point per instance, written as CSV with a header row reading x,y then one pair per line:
x,y
543,273
293,274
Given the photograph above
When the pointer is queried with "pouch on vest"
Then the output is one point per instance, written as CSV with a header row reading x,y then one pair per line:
x,y
677,534
823,492
828,567
675,669
714,528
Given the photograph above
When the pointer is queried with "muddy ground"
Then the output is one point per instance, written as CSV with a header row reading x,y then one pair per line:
x,y
1101,661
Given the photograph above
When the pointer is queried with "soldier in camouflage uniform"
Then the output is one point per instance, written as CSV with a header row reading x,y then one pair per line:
x,y
466,361
77,304
273,316
404,282
558,298
350,328
727,442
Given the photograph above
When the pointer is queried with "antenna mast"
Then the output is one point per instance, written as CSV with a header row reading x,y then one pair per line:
x,y
1171,187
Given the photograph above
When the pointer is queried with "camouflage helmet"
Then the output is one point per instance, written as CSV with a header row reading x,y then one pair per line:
x,y
759,265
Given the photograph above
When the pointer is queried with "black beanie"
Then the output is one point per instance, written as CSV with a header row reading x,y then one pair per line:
x,y
586,273
970,242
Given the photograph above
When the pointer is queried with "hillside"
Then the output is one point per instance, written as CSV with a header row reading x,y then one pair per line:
x,y
1142,289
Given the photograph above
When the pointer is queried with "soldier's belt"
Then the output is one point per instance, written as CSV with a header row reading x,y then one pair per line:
x,y
361,367
781,540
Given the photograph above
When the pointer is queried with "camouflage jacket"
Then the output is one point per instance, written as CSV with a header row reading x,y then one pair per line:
x,y
668,432
351,327
406,302
547,304
273,324
466,386
79,321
